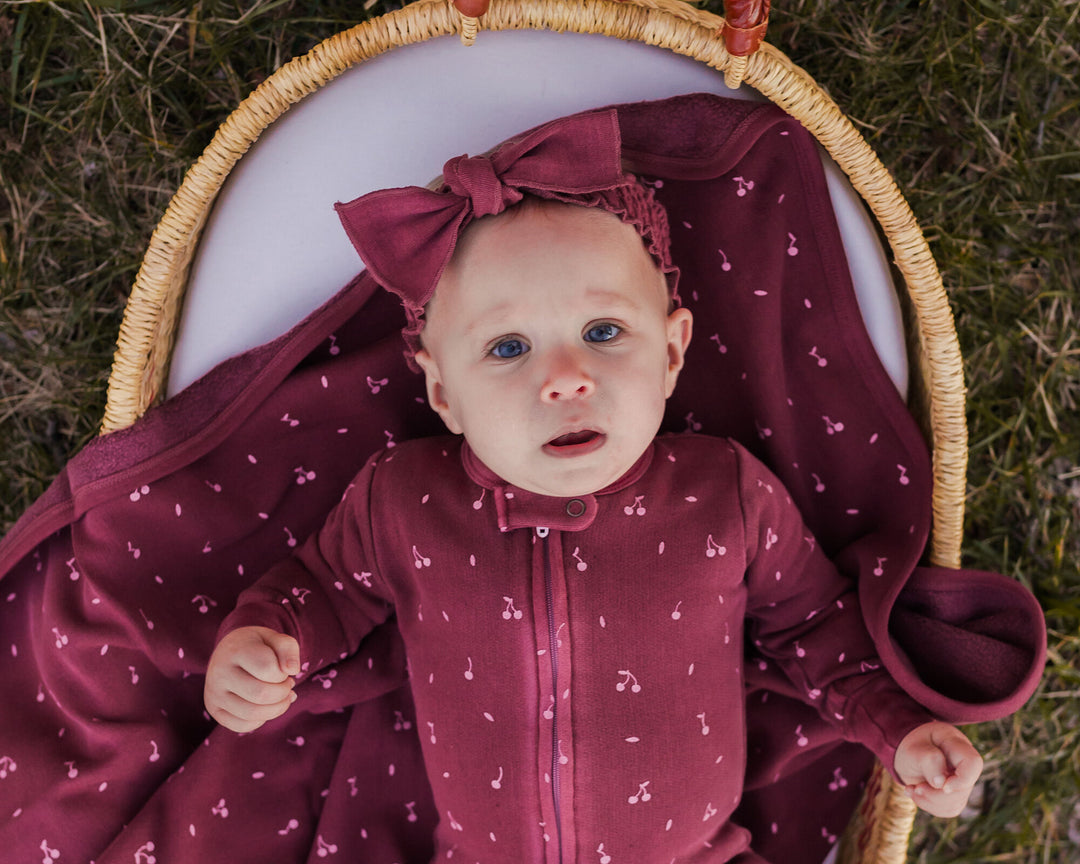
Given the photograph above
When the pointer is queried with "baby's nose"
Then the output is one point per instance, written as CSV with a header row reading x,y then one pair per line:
x,y
567,379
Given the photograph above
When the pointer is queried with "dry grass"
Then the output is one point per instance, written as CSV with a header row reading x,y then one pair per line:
x,y
973,105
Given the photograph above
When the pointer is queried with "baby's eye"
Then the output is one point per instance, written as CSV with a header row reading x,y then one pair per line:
x,y
509,348
602,332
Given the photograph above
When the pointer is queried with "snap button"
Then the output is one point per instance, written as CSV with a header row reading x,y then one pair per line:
x,y
575,507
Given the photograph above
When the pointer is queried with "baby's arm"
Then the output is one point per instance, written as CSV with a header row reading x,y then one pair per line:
x,y
940,766
834,659
250,677
302,613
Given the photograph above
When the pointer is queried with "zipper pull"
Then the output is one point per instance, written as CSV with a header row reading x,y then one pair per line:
x,y
542,533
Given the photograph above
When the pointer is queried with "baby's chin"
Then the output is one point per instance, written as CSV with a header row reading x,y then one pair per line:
x,y
573,472
559,491
570,483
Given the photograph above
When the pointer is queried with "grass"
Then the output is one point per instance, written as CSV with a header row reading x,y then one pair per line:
x,y
972,105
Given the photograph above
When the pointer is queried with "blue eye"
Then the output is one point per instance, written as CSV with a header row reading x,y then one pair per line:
x,y
602,332
509,349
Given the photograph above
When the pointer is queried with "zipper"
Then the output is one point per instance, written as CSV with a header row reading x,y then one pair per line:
x,y
553,653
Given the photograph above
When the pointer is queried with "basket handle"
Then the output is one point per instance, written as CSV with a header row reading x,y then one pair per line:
x,y
745,22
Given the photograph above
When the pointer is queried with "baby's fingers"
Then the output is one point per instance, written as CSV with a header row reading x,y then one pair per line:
x,y
257,692
950,767
268,656
939,767
249,677
964,760
938,802
239,715
923,764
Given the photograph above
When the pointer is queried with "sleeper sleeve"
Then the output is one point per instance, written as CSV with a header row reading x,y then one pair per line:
x,y
329,594
804,615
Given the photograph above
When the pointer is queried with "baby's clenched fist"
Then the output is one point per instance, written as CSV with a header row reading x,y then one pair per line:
x,y
250,678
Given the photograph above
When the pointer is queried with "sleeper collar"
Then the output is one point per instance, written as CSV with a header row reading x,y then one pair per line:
x,y
519,508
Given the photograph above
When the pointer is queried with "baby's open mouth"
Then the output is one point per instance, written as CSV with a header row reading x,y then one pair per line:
x,y
575,443
571,439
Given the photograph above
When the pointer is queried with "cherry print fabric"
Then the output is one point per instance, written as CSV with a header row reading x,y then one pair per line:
x,y
117,580
598,663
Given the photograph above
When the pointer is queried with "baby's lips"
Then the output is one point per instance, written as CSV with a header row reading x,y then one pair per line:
x,y
583,436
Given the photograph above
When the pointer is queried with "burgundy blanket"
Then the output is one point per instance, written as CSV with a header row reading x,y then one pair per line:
x,y
114,583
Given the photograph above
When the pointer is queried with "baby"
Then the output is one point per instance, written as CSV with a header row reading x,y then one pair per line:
x,y
574,592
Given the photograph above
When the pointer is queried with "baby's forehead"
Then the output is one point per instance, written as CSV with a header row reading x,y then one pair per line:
x,y
616,283
491,276
574,225
609,301
535,211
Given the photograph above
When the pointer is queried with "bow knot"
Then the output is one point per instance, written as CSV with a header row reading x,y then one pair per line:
x,y
474,178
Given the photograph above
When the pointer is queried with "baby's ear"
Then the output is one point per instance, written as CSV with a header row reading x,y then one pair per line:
x,y
680,327
436,392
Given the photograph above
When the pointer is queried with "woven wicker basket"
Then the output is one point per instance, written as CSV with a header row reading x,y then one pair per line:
x,y
880,829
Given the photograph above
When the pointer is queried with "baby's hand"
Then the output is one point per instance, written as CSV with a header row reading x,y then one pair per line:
x,y
939,766
249,679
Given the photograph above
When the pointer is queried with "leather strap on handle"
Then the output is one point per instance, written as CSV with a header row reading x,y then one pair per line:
x,y
472,8
745,22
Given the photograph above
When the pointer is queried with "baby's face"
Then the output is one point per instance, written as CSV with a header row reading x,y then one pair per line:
x,y
548,344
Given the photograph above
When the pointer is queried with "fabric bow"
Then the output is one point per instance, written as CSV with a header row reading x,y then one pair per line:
x,y
406,236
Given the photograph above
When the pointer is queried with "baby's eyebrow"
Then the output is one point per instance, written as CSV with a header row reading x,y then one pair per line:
x,y
490,318
607,297
606,300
